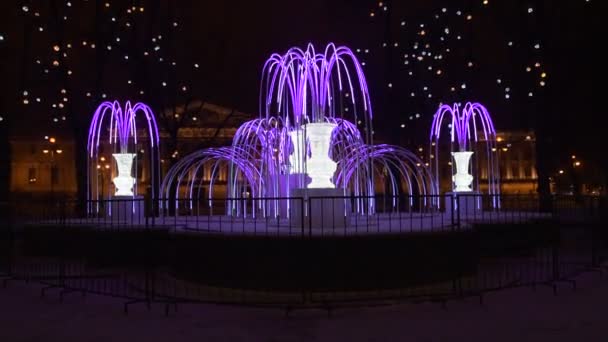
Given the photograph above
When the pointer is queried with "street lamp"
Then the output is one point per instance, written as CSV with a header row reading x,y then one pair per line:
x,y
52,148
102,168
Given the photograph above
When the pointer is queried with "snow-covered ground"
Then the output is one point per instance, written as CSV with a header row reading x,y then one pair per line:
x,y
519,314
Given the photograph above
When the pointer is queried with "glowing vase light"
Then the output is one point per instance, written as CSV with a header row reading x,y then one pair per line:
x,y
296,158
469,127
319,167
124,181
462,179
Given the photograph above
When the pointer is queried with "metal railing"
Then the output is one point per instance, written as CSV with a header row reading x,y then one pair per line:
x,y
295,252
312,216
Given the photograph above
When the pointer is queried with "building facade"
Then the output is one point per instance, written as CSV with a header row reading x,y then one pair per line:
x,y
516,152
45,166
42,167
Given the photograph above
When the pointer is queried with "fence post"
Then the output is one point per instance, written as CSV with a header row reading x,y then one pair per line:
x,y
302,222
309,216
8,225
147,266
452,203
148,210
457,206
63,234
555,258
594,257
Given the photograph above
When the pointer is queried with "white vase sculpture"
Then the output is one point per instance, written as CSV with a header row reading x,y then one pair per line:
x,y
319,167
462,179
124,181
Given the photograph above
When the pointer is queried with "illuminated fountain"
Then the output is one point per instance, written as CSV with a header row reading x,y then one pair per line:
x,y
471,134
313,139
114,128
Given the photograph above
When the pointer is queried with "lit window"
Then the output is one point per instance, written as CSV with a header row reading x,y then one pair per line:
x,y
31,175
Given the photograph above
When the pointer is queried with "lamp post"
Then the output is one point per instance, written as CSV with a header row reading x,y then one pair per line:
x,y
501,152
575,176
52,148
102,173
102,168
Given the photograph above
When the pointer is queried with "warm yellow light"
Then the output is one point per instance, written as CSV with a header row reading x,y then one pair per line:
x,y
98,166
528,137
577,163
485,2
505,149
56,48
59,151
573,156
107,166
543,75
561,172
102,158
52,140
499,139
45,151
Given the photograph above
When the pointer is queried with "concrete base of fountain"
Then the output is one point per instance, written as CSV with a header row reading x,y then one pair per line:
x,y
466,203
280,184
323,208
127,208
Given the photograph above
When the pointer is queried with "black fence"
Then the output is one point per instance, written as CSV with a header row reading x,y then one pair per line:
x,y
311,216
302,252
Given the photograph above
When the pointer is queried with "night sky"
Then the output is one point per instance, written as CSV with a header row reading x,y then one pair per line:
x,y
167,52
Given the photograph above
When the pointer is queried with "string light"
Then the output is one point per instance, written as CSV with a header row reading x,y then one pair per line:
x,y
432,40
